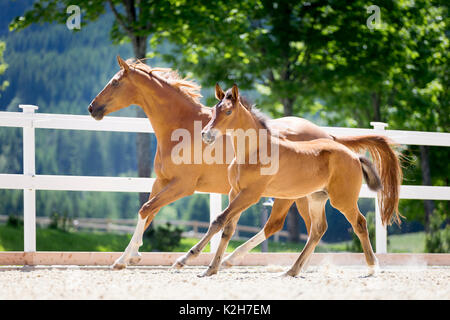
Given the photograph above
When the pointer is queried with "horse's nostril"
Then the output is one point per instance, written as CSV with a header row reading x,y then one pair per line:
x,y
90,108
206,135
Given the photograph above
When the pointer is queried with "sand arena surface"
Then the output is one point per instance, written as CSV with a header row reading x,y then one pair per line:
x,y
324,282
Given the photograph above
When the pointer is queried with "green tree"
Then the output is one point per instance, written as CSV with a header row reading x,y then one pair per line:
x,y
322,58
438,238
3,66
422,101
14,205
293,53
403,81
135,21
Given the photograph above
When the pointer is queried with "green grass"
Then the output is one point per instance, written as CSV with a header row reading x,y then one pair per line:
x,y
11,239
409,242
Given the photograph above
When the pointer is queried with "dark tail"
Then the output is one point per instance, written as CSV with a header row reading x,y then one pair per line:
x,y
387,164
371,176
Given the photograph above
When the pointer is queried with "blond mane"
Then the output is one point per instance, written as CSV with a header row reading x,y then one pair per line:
x,y
188,87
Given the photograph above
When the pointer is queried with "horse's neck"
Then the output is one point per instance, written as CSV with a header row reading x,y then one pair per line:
x,y
253,127
168,110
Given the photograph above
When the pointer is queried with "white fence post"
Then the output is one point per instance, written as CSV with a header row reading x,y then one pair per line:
x,y
29,169
380,229
215,208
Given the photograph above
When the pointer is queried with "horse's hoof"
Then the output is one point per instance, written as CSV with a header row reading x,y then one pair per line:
x,y
135,260
119,265
226,264
373,270
207,273
288,274
178,264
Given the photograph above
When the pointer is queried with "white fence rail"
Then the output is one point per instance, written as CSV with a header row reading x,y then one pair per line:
x,y
30,182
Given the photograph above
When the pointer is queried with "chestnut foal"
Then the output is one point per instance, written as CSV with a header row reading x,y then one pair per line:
x,y
319,169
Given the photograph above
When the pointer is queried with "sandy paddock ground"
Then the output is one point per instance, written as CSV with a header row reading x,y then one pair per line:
x,y
323,282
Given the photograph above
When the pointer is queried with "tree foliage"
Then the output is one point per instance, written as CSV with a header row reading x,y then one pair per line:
x,y
321,60
3,66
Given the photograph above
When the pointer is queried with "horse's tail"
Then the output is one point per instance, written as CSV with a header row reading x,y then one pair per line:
x,y
388,166
371,176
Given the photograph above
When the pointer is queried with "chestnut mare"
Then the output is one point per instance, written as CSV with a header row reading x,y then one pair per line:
x,y
319,169
171,103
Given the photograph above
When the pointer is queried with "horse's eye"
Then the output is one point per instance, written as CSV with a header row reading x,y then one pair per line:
x,y
228,112
115,83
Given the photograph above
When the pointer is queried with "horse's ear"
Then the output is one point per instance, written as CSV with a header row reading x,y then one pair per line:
x,y
235,92
219,92
123,65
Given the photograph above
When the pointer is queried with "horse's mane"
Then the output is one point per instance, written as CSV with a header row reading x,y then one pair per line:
x,y
261,117
188,87
257,114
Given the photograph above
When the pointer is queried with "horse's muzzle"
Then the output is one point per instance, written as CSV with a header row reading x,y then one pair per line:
x,y
208,137
97,112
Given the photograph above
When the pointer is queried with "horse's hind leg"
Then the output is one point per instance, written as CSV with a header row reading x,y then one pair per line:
x,y
318,227
275,223
345,199
359,225
303,207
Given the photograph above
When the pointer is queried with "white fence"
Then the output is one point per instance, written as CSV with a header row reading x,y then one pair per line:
x,y
30,182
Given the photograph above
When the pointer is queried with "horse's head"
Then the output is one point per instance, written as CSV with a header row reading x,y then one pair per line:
x,y
225,114
118,93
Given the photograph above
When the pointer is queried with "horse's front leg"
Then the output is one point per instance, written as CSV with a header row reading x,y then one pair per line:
x,y
163,193
274,224
244,199
227,233
131,254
